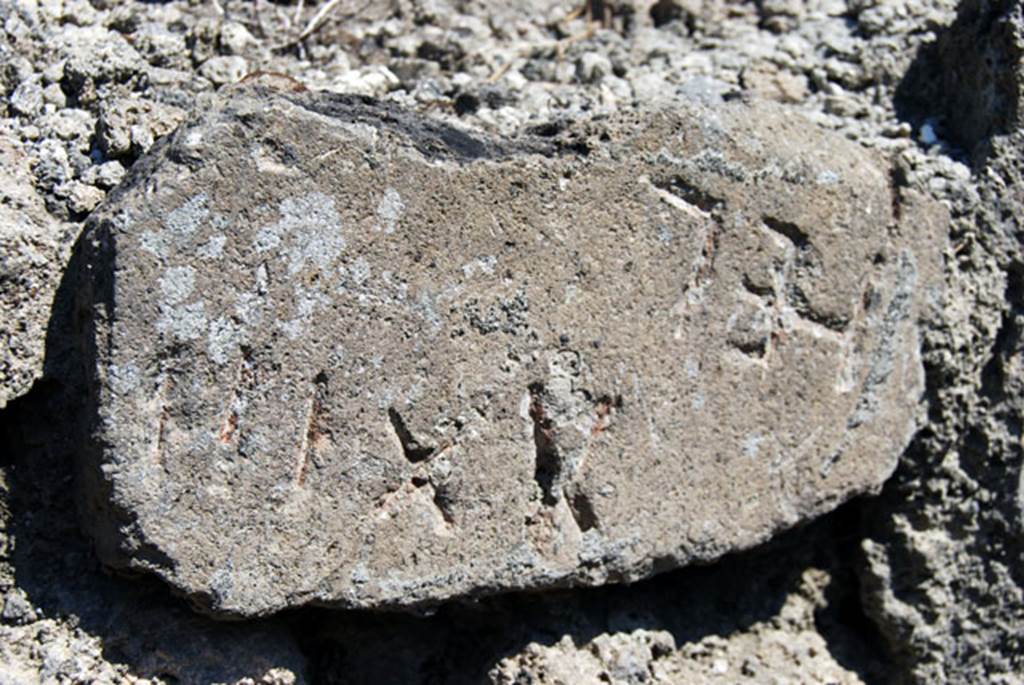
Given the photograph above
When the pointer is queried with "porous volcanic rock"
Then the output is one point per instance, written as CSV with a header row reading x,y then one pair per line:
x,y
345,355
950,602
33,251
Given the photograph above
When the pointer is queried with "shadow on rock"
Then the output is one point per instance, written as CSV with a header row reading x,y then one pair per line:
x,y
138,622
628,628
944,566
966,83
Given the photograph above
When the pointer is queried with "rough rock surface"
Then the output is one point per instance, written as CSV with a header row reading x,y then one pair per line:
x,y
33,253
350,356
951,539
941,580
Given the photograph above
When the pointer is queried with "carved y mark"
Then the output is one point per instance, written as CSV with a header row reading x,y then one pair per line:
x,y
442,500
438,495
162,418
806,262
161,431
555,468
422,481
316,433
246,380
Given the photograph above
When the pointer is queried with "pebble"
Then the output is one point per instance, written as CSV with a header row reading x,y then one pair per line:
x,y
80,197
51,163
105,176
54,95
71,125
373,81
17,609
235,39
161,47
223,70
591,67
27,98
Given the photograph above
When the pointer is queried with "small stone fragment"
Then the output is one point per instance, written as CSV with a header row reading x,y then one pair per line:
x,y
235,38
16,608
71,124
592,67
781,16
27,99
372,81
51,165
95,56
128,127
222,70
80,198
769,82
79,12
161,47
54,95
106,175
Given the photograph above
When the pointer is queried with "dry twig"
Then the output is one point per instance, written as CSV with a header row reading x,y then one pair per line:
x,y
315,22
559,46
319,20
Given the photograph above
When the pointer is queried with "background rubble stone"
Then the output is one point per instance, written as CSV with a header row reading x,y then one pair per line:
x,y
34,247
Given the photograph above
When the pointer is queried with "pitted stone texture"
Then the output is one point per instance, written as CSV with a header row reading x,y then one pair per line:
x,y
347,356
33,252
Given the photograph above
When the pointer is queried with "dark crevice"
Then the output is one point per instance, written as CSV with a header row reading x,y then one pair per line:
x,y
854,640
897,181
549,129
753,348
767,292
691,194
413,450
967,81
443,502
461,642
664,12
548,462
14,426
790,231
583,511
797,299
1008,339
